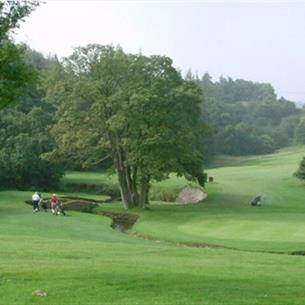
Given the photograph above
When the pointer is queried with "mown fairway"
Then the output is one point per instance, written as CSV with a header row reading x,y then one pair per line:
x,y
226,217
80,260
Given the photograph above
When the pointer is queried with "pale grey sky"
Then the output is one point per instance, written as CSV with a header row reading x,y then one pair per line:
x,y
259,40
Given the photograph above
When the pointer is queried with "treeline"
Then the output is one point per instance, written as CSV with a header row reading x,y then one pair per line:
x,y
59,122
247,118
25,132
24,135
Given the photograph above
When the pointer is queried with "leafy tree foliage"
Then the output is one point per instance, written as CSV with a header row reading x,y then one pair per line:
x,y
24,136
300,173
21,166
15,74
137,109
300,132
246,118
239,90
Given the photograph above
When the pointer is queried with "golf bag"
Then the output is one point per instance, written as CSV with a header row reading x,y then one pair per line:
x,y
256,201
58,209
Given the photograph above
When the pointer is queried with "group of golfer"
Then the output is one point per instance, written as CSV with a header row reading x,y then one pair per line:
x,y
40,204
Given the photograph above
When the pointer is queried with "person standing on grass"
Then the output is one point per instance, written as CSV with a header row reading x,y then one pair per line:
x,y
54,203
35,201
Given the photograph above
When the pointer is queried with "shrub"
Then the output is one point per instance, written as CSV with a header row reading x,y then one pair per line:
x,y
164,194
300,173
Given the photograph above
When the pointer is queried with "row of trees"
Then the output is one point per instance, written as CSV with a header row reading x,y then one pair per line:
x,y
22,139
15,74
25,133
247,118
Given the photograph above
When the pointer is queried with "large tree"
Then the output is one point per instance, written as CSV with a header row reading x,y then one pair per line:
x,y
15,74
137,109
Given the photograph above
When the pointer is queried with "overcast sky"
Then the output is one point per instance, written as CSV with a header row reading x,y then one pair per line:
x,y
262,41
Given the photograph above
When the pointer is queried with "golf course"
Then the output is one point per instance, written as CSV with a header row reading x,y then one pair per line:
x,y
152,152
221,251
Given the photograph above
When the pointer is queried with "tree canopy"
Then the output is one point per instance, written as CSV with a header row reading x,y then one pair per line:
x,y
15,74
246,117
25,135
138,109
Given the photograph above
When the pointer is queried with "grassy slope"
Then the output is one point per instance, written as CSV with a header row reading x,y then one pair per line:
x,y
79,260
89,177
227,219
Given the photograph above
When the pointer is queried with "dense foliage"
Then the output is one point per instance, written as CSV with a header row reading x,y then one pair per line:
x,y
247,118
15,74
24,136
300,173
137,109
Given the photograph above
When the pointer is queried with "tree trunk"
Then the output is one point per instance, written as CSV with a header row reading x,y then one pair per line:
x,y
125,195
123,184
132,184
127,176
127,182
144,191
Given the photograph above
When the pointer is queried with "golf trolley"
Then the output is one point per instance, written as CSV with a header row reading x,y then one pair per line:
x,y
58,209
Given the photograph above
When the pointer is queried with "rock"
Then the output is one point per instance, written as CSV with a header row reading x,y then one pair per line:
x,y
191,195
39,293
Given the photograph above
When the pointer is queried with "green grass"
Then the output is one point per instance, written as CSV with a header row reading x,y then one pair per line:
x,y
226,217
80,260
90,178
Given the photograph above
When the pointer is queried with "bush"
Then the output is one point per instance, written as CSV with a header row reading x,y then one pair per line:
x,y
164,194
44,176
300,173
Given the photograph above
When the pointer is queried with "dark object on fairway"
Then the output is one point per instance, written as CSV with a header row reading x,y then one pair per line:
x,y
211,179
257,201
59,209
43,204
